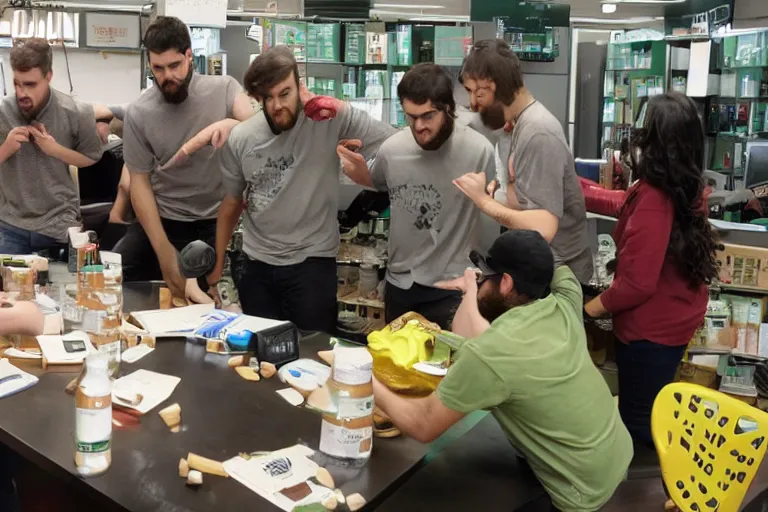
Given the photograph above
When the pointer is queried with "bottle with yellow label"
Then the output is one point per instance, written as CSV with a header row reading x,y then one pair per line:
x,y
93,418
347,433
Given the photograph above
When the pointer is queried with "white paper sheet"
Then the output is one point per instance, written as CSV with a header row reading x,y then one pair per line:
x,y
55,353
270,474
11,387
133,354
172,322
154,387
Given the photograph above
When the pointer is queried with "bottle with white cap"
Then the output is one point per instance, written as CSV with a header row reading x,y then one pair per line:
x,y
347,433
93,417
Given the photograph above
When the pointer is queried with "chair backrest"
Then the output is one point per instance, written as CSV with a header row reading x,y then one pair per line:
x,y
710,446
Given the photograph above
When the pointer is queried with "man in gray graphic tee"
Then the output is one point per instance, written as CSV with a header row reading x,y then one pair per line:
x,y
44,132
284,166
177,204
542,188
433,225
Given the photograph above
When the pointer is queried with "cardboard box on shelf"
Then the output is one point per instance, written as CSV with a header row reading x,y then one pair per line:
x,y
746,318
744,266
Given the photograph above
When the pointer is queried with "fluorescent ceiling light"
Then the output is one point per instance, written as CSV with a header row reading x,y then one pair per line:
x,y
407,6
417,16
609,8
616,21
650,1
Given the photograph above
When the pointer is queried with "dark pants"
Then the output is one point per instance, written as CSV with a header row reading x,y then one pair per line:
x,y
304,293
644,368
436,305
15,240
139,259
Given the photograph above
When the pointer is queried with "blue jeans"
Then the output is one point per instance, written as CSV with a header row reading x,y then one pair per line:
x,y
644,368
15,240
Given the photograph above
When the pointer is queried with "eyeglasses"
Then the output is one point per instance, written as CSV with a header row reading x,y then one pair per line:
x,y
481,278
426,117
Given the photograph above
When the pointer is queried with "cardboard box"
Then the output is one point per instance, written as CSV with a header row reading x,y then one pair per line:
x,y
744,266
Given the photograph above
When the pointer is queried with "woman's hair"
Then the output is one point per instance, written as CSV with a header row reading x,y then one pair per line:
x,y
668,153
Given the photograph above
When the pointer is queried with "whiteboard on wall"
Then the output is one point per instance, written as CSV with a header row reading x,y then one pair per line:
x,y
196,13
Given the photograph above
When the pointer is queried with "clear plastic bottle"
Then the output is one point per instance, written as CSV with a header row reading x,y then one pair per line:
x,y
93,418
347,436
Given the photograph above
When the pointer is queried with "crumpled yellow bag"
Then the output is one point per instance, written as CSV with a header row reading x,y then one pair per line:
x,y
396,348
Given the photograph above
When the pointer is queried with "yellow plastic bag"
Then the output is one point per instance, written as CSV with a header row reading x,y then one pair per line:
x,y
395,349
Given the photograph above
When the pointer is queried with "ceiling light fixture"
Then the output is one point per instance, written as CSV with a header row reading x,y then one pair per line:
x,y
407,6
609,8
649,1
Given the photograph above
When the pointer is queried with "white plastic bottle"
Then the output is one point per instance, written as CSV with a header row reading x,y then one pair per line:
x,y
93,418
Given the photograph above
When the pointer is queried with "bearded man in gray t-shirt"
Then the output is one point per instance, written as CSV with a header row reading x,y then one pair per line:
x,y
433,225
542,189
175,200
44,132
284,166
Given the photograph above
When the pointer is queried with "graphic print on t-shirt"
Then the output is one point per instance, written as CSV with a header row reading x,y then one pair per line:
x,y
265,183
423,201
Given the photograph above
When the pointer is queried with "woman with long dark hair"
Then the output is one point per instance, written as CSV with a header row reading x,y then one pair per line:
x,y
665,253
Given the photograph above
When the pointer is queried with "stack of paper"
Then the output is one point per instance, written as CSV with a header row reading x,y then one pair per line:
x,y
270,474
13,380
154,387
176,322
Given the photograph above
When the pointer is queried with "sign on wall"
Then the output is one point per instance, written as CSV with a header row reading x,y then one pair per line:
x,y
112,31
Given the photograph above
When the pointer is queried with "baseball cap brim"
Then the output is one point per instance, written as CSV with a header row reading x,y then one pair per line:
x,y
483,263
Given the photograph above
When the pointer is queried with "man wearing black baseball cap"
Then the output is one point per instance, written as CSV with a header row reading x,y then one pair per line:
x,y
525,359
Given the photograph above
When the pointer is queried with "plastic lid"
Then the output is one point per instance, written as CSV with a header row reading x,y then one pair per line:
x,y
352,365
239,339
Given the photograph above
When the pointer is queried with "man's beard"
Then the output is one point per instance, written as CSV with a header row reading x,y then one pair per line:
x,y
181,93
493,116
31,114
443,135
493,305
277,130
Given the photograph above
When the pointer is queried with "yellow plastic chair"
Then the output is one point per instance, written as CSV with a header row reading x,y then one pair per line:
x,y
710,446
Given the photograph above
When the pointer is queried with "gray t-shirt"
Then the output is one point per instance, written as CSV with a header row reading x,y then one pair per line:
x,y
155,129
433,224
37,192
545,178
290,182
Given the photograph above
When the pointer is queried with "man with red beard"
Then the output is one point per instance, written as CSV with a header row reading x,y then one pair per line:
x,y
44,132
174,206
542,189
433,224
284,165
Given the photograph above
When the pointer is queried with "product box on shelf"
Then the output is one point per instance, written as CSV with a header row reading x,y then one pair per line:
x,y
743,266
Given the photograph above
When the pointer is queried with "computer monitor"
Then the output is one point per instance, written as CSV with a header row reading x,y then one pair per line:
x,y
756,170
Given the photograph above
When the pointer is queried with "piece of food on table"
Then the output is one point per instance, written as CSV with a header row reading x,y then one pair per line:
x,y
209,466
355,502
326,356
183,468
324,478
383,426
172,417
195,478
268,370
330,503
236,361
248,373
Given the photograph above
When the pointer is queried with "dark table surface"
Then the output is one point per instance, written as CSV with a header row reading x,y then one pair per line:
x,y
222,415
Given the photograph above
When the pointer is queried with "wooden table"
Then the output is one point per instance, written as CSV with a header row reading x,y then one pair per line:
x,y
222,416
